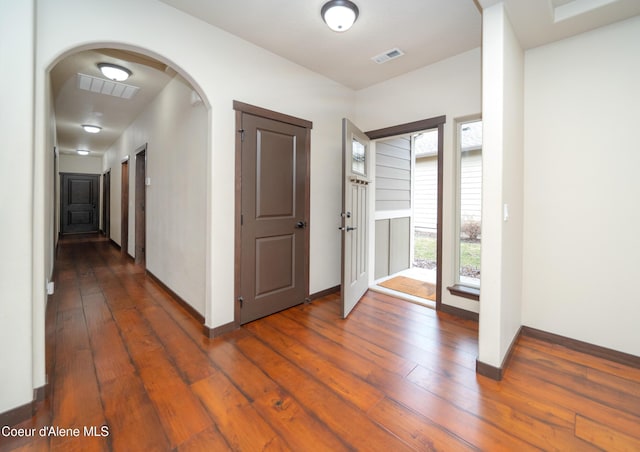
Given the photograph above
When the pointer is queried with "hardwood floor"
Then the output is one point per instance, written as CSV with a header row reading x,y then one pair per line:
x,y
121,355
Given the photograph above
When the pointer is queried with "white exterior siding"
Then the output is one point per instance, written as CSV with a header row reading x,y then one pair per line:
x,y
471,186
425,210
426,190
393,175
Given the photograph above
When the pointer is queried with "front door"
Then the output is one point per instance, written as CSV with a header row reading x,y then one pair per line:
x,y
274,194
355,216
79,203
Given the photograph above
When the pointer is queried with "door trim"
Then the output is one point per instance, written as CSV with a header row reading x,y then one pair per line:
x,y
124,207
436,122
140,206
241,108
106,203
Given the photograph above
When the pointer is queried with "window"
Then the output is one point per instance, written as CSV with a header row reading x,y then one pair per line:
x,y
469,202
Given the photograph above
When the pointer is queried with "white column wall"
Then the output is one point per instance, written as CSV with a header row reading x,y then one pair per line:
x,y
502,172
16,174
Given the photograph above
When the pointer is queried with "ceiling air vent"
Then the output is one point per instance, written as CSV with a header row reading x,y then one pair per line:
x,y
388,55
108,87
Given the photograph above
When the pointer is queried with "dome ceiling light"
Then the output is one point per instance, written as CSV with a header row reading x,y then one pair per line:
x,y
339,15
114,72
91,129
82,152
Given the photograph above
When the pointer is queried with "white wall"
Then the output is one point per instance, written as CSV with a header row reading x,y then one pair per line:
x,y
582,157
16,174
175,132
450,87
502,172
223,68
69,163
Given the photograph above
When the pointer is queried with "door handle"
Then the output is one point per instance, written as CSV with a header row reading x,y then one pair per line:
x,y
301,224
347,229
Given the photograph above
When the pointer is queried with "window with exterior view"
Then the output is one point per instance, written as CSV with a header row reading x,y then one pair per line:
x,y
469,202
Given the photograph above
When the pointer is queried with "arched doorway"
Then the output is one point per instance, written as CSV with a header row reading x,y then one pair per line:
x,y
178,155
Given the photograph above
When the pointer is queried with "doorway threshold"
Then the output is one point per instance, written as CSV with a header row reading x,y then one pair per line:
x,y
414,273
403,296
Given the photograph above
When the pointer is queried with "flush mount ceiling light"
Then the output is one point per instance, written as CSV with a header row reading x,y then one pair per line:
x,y
114,72
339,15
82,152
91,129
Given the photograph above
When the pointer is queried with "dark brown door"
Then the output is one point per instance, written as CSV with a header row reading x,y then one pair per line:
x,y
141,225
124,210
106,203
79,203
274,210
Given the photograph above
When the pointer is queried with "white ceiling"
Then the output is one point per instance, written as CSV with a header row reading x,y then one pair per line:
x,y
74,107
538,22
427,31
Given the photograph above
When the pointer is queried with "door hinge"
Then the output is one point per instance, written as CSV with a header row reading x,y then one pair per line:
x,y
241,134
241,220
241,301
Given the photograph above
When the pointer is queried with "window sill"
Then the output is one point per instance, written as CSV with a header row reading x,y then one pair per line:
x,y
459,290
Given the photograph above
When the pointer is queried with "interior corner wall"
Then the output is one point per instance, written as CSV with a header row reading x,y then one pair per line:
x,y
450,87
502,191
17,21
581,243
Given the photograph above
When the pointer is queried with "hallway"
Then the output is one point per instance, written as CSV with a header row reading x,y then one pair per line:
x,y
123,357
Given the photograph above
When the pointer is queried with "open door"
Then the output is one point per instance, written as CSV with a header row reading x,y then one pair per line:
x,y
355,216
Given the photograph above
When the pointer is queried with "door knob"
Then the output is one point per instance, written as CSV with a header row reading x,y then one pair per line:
x,y
347,229
301,224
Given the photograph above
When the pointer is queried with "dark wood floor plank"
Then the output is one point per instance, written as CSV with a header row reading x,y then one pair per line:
x,y
539,428
342,382
349,423
77,404
178,408
254,383
428,338
605,437
593,362
301,430
395,342
208,440
353,343
139,337
463,334
438,409
560,373
121,353
240,424
418,431
111,358
190,360
132,420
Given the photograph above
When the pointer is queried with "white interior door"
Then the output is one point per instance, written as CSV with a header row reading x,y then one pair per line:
x,y
355,215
